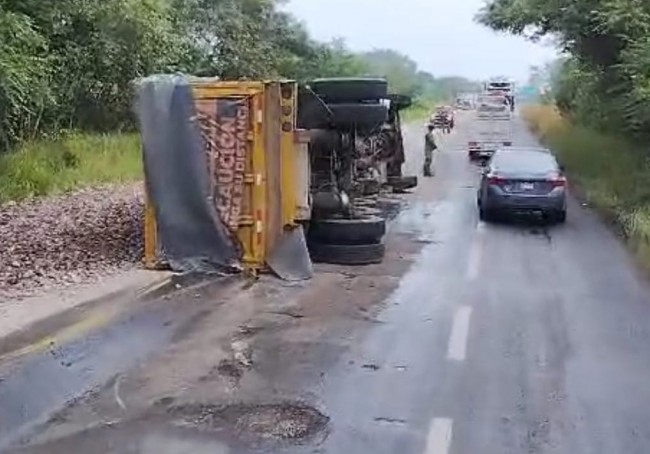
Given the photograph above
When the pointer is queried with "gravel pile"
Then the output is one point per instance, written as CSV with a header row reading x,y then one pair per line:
x,y
70,239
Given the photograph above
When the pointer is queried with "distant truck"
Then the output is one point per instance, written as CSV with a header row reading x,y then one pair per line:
x,y
443,118
492,128
501,86
463,103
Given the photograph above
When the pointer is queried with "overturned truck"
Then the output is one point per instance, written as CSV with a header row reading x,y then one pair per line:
x,y
236,172
356,151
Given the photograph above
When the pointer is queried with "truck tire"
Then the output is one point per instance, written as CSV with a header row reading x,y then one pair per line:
x,y
486,215
370,187
363,230
347,254
403,183
350,89
312,111
368,211
400,102
359,115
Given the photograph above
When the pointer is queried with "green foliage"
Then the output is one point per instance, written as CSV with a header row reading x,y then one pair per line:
x,y
24,71
48,166
68,65
420,110
604,82
611,172
406,78
66,69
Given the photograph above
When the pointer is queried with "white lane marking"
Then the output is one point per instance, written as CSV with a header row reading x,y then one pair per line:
x,y
459,334
476,253
439,436
116,392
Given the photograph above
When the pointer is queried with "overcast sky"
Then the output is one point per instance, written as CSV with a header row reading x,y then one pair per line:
x,y
440,35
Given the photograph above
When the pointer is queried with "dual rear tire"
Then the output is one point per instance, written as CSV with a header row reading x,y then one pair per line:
x,y
343,241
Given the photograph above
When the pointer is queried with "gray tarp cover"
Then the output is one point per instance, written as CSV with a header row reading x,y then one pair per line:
x,y
191,234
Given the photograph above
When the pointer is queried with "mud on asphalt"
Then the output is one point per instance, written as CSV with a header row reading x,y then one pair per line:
x,y
240,365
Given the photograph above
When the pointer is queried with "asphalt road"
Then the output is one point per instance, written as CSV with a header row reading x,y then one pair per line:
x,y
502,338
509,338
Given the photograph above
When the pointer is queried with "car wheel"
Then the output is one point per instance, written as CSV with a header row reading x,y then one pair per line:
x,y
343,231
485,215
360,115
347,254
344,90
560,217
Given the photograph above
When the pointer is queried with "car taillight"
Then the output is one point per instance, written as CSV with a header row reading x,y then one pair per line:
x,y
496,180
558,182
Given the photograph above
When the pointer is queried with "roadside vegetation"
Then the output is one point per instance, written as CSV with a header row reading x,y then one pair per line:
x,y
612,173
596,113
45,166
66,72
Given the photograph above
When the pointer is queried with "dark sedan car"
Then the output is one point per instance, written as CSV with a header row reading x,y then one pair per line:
x,y
523,180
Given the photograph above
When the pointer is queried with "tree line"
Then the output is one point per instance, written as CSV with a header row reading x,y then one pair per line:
x,y
603,78
69,64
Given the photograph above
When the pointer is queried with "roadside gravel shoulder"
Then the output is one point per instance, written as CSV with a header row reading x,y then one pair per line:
x,y
60,242
61,251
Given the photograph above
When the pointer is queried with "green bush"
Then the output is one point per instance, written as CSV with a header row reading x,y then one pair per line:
x,y
419,110
50,166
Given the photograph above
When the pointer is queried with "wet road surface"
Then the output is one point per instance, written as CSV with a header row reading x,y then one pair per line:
x,y
501,338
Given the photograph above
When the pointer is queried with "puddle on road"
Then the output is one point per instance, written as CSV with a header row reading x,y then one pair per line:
x,y
34,387
425,221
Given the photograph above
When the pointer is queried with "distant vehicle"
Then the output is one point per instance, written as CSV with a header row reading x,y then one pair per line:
x,y
492,128
451,115
463,104
493,106
501,86
523,180
443,118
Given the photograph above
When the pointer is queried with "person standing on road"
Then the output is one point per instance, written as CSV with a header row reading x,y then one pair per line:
x,y
429,147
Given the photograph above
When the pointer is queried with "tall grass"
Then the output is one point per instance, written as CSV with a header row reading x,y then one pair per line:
x,y
612,172
419,110
51,166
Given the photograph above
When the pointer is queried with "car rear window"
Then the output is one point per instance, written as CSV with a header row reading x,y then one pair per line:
x,y
524,161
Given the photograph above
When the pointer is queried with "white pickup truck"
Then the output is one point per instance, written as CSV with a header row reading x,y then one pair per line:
x,y
491,128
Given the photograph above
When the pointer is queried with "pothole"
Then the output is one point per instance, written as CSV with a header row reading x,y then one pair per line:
x,y
226,369
282,421
229,369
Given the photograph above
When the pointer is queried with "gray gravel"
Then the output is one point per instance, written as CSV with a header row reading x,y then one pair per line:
x,y
69,239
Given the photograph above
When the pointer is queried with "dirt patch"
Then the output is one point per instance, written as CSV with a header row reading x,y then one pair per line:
x,y
281,421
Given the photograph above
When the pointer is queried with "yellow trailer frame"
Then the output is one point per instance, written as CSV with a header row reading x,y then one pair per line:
x,y
270,204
